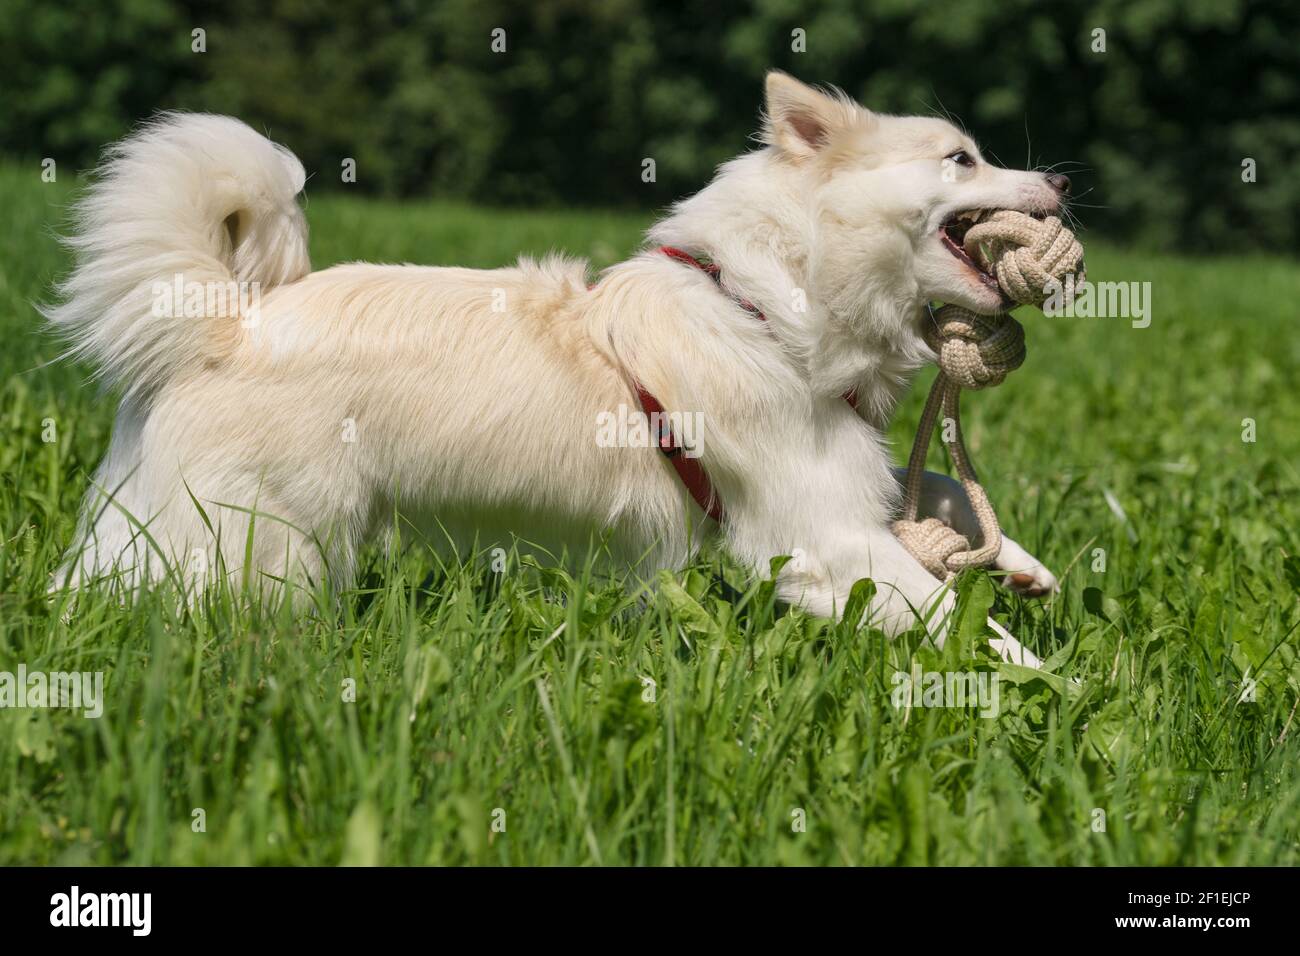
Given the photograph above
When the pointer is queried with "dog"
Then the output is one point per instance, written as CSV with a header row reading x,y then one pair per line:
x,y
274,421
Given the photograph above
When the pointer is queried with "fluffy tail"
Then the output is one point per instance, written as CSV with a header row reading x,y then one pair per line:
x,y
188,222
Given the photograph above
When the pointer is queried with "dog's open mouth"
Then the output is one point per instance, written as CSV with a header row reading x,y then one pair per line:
x,y
953,235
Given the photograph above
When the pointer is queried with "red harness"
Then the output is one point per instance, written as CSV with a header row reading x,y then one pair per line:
x,y
689,470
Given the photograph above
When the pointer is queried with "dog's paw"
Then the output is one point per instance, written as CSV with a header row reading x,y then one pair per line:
x,y
1035,582
1023,573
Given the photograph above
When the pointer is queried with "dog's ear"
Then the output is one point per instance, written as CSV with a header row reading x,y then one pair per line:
x,y
799,120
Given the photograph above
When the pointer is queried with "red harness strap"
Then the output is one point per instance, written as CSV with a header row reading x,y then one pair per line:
x,y
689,470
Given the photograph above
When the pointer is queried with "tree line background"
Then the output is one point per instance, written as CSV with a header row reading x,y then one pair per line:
x,y
1155,129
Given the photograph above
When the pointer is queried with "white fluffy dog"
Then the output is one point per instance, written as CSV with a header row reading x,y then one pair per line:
x,y
467,400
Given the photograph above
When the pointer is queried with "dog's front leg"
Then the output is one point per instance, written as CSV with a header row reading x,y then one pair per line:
x,y
944,498
820,578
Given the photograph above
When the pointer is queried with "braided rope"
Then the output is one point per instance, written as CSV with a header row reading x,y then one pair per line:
x,y
977,351
1027,253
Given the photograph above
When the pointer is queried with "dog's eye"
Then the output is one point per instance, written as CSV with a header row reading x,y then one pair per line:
x,y
962,158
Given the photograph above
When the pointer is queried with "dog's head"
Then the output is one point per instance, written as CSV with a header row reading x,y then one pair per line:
x,y
891,198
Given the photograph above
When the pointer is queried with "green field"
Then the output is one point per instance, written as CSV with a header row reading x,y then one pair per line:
x,y
521,697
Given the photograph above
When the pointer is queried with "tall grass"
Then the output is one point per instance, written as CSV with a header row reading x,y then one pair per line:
x,y
486,712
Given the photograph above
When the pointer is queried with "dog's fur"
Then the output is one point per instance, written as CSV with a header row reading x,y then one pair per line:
x,y
473,396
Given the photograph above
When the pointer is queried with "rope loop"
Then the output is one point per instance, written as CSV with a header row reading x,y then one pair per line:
x,y
973,350
932,543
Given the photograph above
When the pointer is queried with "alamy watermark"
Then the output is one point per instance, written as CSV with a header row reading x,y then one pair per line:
x,y
77,690
951,689
214,299
1100,300
133,911
631,428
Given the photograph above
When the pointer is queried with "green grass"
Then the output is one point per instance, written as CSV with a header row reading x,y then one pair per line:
x,y
524,691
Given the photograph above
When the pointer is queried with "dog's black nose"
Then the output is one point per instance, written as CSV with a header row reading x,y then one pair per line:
x,y
1060,183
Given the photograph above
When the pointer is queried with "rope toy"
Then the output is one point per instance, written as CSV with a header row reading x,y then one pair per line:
x,y
977,351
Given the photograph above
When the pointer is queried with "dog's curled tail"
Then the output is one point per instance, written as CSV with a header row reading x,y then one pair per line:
x,y
187,223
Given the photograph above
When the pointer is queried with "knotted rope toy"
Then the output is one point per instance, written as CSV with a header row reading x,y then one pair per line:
x,y
975,351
